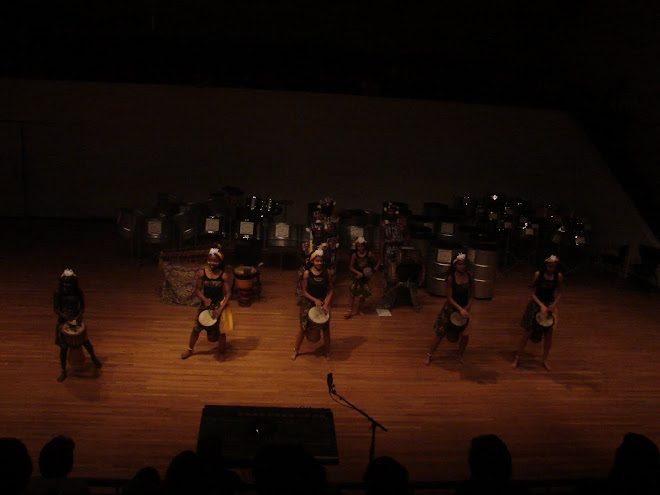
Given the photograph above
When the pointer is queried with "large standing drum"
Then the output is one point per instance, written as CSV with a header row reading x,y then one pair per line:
x,y
438,264
482,264
74,335
244,278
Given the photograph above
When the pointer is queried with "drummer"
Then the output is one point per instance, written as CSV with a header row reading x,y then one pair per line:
x,y
317,289
213,291
546,290
362,265
69,306
460,295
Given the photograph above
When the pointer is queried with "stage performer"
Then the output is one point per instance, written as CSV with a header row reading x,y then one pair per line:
x,y
394,234
69,306
363,263
317,288
460,295
214,292
546,290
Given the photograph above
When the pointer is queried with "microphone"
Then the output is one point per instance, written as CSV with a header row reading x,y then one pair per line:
x,y
331,385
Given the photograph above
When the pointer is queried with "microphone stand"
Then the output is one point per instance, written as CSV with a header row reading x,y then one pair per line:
x,y
374,424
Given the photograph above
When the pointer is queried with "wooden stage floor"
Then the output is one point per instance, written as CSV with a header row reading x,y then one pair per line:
x,y
144,406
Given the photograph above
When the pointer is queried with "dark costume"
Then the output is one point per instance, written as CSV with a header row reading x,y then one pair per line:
x,y
317,286
460,294
360,286
544,290
407,275
213,290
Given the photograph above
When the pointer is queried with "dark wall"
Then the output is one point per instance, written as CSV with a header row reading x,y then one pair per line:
x,y
86,149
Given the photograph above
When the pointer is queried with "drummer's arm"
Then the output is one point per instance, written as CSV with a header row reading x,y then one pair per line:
x,y
226,291
199,284
327,302
558,292
534,298
471,298
351,266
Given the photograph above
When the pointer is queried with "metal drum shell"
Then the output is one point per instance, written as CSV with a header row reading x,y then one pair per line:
x,y
482,264
283,234
438,263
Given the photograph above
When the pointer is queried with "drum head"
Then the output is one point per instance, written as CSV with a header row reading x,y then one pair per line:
x,y
318,316
314,334
458,320
72,327
206,319
545,321
245,272
367,272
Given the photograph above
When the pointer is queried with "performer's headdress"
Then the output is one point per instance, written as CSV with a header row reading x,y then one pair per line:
x,y
216,252
552,259
318,252
68,272
360,240
459,257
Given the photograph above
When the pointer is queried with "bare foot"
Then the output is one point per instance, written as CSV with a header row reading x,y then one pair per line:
x,y
461,359
514,365
62,377
294,355
186,354
348,316
428,359
547,366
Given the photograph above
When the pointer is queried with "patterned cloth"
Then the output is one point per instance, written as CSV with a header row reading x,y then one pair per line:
x,y
179,283
359,287
443,327
305,306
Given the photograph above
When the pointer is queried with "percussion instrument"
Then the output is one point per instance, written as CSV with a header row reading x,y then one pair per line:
x,y
244,280
73,334
317,320
367,272
457,324
541,324
206,319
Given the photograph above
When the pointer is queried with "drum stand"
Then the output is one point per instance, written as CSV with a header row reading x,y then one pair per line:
x,y
373,423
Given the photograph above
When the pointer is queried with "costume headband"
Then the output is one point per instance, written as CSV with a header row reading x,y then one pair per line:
x,y
552,259
460,257
68,272
360,240
217,253
318,252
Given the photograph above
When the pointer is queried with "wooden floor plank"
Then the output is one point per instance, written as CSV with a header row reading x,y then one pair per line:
x,y
144,406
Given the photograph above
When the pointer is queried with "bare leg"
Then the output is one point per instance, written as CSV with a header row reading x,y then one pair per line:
x,y
222,343
434,346
547,344
461,347
326,340
351,311
191,345
521,348
63,353
88,345
360,305
296,346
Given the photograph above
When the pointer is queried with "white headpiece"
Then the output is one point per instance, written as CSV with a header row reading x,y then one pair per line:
x,y
360,240
552,259
460,257
68,272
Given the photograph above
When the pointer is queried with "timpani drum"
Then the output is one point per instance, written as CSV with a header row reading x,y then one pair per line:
x,y
317,320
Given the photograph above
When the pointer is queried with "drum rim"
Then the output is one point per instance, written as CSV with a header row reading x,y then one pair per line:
x,y
316,314
550,318
80,328
211,321
464,320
